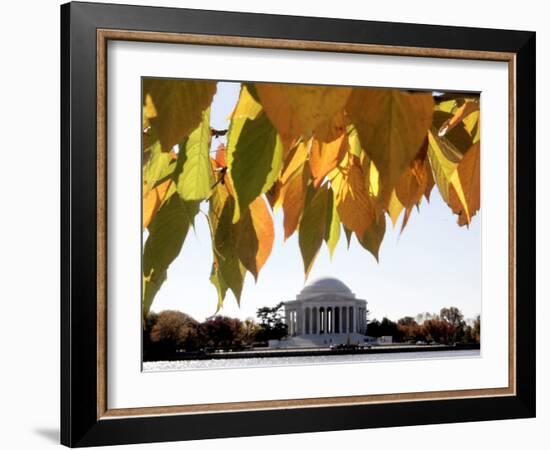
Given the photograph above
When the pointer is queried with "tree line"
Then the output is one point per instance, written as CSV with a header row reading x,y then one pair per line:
x,y
168,332
447,327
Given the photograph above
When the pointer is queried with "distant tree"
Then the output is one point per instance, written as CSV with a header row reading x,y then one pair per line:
x,y
373,328
455,318
222,332
272,325
452,315
386,327
249,331
147,345
476,329
439,330
173,330
409,329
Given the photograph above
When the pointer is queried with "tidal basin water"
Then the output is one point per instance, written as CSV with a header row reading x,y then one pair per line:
x,y
160,366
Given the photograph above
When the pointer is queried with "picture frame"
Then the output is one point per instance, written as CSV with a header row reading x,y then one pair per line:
x,y
86,418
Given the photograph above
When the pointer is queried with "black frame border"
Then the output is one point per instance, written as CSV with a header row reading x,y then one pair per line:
x,y
79,423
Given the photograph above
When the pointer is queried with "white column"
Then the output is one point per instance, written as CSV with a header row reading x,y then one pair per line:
x,y
318,319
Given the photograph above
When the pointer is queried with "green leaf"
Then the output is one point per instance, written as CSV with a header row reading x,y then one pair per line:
x,y
219,283
332,232
226,261
254,159
444,160
167,233
194,176
159,166
174,107
313,226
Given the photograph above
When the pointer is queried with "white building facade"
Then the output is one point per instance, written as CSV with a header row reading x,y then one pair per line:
x,y
326,312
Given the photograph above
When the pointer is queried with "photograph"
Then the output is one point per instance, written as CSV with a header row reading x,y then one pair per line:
x,y
298,224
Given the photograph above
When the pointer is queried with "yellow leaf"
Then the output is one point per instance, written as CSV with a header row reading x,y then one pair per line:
x,y
354,205
247,107
374,180
394,208
300,110
325,156
332,231
392,125
464,111
472,125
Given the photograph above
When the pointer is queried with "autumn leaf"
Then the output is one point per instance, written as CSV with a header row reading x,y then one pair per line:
x,y
174,107
458,136
325,156
373,235
255,236
294,198
312,226
394,208
152,201
469,174
412,184
462,112
444,160
295,159
332,230
391,125
355,208
254,159
300,110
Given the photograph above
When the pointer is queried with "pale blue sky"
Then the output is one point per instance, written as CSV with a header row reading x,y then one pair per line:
x,y
432,264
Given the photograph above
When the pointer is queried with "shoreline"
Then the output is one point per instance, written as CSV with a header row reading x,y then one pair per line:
x,y
317,351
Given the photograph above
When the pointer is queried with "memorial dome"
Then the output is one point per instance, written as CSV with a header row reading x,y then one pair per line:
x,y
325,285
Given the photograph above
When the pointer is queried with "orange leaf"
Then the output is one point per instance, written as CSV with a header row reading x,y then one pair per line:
x,y
412,184
152,201
469,174
294,200
255,236
295,159
325,156
220,156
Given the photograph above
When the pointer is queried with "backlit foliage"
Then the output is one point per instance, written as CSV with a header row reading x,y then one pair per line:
x,y
336,160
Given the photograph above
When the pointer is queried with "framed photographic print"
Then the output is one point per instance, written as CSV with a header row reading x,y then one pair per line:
x,y
277,224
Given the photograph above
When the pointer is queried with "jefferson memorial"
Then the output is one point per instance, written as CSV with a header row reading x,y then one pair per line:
x,y
325,313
